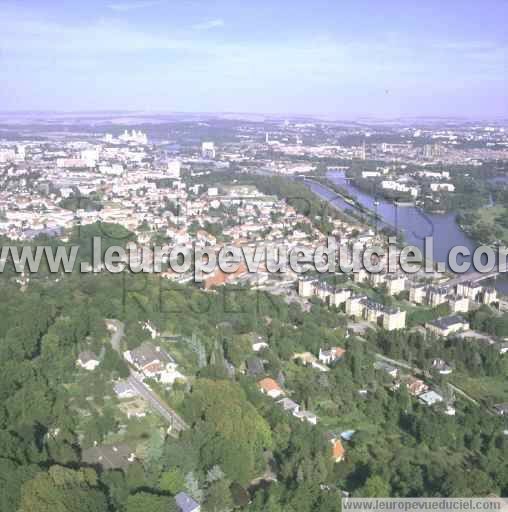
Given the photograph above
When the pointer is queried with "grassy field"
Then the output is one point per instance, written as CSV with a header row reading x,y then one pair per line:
x,y
354,420
490,389
488,216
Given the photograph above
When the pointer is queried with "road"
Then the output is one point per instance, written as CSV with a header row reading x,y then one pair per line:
x,y
394,362
474,277
176,423
468,397
403,364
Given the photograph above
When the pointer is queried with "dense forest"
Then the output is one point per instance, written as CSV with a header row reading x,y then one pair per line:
x,y
235,434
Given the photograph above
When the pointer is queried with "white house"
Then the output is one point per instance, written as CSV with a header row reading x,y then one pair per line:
x,y
430,398
124,390
438,187
307,416
88,360
270,387
186,504
331,355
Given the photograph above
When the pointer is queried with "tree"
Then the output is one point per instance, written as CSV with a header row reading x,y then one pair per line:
x,y
112,362
235,440
375,487
172,481
214,473
192,486
146,502
155,446
218,497
63,490
135,476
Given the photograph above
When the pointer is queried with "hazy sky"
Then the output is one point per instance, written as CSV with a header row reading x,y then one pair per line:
x,y
344,58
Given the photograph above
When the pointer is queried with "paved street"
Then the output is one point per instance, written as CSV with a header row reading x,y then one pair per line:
x,y
176,423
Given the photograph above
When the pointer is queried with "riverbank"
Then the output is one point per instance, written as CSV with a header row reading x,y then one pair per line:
x,y
415,224
487,226
325,182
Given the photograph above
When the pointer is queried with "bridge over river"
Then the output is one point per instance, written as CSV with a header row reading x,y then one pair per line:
x,y
474,277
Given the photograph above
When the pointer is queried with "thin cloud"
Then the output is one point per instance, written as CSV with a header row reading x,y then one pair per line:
x,y
131,6
210,24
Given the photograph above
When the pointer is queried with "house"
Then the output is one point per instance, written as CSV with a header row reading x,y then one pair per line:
x,y
324,290
395,283
450,410
489,295
88,360
414,386
270,387
470,290
438,187
447,325
355,305
306,286
149,359
309,359
338,451
170,375
118,456
503,348
418,293
388,368
458,304
288,405
124,390
501,409
339,296
441,366
307,416
437,295
347,435
331,355
186,504
259,343
430,398
393,319
373,311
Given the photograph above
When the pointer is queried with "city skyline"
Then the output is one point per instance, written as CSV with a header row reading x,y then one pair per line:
x,y
339,61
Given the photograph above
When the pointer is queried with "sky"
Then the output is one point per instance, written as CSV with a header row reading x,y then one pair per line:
x,y
337,58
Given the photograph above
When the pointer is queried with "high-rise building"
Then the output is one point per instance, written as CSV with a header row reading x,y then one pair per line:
x,y
174,168
208,150
134,136
20,152
90,157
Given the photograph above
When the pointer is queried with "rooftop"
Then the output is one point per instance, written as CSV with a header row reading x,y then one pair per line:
x,y
448,321
185,503
147,352
109,456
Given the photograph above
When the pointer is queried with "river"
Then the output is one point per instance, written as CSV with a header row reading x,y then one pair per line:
x,y
412,222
